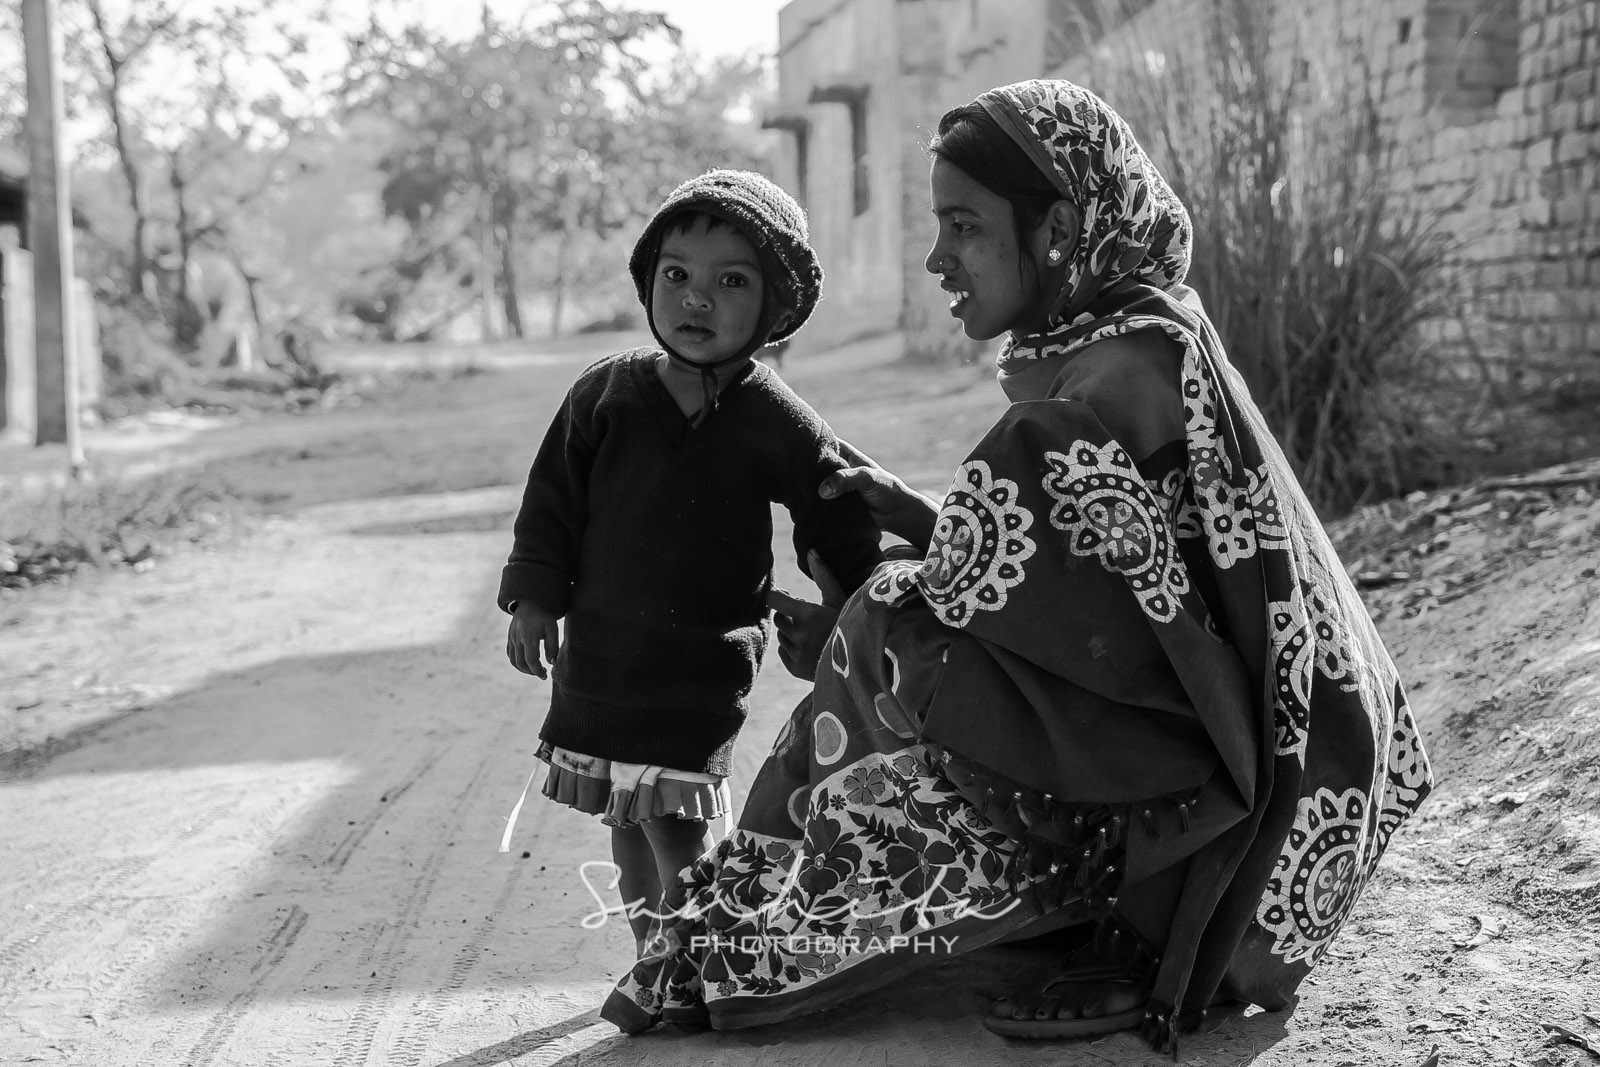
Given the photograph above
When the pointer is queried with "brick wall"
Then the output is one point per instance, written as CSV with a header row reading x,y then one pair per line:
x,y
1525,167
1492,110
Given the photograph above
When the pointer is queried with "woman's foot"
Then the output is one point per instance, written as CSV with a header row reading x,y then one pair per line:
x,y
1069,1006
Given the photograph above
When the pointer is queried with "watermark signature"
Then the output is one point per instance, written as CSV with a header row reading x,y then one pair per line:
x,y
824,944
784,900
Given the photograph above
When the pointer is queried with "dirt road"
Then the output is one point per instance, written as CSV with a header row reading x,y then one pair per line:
x,y
254,813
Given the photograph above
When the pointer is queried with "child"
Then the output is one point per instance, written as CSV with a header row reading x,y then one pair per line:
x,y
646,524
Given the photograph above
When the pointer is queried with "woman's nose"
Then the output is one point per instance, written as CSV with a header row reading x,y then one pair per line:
x,y
938,262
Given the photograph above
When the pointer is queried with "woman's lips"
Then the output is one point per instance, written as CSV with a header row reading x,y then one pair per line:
x,y
958,297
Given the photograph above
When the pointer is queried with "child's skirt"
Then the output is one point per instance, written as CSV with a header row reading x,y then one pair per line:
x,y
626,794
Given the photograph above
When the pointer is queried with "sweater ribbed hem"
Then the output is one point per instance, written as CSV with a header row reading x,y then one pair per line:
x,y
684,739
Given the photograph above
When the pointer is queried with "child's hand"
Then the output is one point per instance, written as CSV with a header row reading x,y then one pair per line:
x,y
531,627
804,627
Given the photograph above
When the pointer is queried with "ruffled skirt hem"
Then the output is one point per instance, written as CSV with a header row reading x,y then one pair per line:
x,y
628,794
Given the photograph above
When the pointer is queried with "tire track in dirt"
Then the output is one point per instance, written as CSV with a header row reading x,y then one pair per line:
x,y
422,1020
250,982
340,856
224,1022
373,1007
104,882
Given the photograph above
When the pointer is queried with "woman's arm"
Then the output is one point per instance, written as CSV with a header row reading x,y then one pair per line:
x,y
897,508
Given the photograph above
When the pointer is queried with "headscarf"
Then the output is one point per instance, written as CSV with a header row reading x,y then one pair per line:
x,y
1326,755
1134,229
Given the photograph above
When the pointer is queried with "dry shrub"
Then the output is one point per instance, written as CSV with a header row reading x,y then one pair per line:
x,y
48,534
1315,273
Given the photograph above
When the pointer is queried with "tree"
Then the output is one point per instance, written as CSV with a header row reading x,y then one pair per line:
x,y
13,76
522,135
174,106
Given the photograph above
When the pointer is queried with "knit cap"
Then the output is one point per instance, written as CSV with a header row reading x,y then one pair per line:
x,y
769,218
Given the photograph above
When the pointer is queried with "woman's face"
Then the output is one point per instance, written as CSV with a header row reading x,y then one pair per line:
x,y
979,260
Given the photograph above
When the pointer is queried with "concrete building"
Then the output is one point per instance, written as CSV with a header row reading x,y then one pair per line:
x,y
1492,108
18,372
862,84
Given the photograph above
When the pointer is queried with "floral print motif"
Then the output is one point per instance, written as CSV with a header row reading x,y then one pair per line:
x,y
900,858
980,542
865,786
1106,509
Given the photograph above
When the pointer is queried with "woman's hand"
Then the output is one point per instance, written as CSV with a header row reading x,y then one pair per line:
x,y
804,627
895,507
532,628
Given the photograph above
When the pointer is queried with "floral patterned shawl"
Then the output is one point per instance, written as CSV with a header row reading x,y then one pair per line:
x,y
1130,540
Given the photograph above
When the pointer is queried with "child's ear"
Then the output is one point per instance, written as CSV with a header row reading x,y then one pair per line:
x,y
781,323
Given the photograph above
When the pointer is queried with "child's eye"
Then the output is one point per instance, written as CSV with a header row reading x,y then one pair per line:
x,y
674,274
735,281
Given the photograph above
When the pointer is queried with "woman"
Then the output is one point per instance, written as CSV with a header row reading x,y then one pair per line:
x,y
1127,681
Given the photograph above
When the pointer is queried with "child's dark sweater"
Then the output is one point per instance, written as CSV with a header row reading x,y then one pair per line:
x,y
654,541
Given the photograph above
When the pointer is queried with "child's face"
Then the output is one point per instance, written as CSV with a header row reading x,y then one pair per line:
x,y
707,292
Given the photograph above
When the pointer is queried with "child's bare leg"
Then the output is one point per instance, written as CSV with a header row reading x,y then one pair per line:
x,y
676,843
637,879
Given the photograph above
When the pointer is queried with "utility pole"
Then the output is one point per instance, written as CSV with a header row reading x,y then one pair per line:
x,y
50,232
486,220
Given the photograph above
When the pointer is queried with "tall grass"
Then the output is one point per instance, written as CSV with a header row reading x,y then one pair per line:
x,y
1316,274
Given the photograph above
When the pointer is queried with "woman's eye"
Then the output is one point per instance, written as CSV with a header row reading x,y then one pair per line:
x,y
962,229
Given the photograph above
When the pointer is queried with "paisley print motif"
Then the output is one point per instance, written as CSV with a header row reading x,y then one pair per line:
x,y
1292,653
1336,659
1325,862
1406,781
892,581
1271,531
1107,511
980,543
839,655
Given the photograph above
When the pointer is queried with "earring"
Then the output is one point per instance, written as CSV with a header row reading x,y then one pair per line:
x,y
1054,256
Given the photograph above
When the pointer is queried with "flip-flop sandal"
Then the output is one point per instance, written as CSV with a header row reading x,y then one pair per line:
x,y
1058,1029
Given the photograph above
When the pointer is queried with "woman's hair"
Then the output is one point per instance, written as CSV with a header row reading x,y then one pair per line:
x,y
970,140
